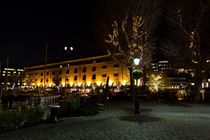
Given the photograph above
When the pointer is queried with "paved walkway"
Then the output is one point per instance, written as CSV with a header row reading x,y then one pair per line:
x,y
158,121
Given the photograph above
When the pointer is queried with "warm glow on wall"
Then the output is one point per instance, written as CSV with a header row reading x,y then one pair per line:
x,y
88,83
110,82
50,84
124,82
71,84
98,83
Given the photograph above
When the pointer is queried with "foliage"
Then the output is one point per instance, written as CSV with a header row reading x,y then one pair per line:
x,y
78,107
73,104
10,120
33,115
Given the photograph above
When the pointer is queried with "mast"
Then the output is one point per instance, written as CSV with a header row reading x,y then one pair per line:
x,y
45,64
6,86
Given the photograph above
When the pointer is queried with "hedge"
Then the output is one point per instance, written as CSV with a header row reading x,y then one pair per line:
x,y
10,120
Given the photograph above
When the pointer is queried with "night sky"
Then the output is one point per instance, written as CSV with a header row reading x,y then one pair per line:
x,y
24,32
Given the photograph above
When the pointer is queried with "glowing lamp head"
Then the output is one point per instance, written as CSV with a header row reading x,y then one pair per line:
x,y
136,60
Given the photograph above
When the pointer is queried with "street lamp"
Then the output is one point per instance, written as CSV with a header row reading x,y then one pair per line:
x,y
136,61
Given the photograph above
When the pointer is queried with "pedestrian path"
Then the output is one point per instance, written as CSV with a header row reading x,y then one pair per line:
x,y
157,121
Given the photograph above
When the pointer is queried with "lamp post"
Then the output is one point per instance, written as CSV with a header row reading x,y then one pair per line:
x,y
136,61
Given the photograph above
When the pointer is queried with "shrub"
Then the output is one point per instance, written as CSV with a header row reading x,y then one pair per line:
x,y
33,115
73,104
10,120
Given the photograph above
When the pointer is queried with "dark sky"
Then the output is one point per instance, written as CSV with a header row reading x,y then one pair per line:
x,y
25,31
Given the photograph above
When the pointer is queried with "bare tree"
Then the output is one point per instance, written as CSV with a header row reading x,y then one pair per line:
x,y
191,19
131,31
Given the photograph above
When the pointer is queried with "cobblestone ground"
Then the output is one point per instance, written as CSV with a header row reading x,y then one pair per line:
x,y
157,121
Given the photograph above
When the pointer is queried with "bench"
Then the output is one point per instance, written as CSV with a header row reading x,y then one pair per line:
x,y
100,106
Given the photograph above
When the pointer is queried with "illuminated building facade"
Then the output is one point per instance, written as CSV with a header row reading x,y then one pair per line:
x,y
85,72
11,77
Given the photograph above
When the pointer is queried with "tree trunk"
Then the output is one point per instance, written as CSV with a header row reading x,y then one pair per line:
x,y
197,86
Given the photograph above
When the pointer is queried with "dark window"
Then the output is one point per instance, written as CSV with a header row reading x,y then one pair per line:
x,y
67,71
35,79
41,74
75,70
67,78
75,78
84,77
47,80
84,70
104,66
94,77
41,80
103,75
53,72
115,65
60,72
48,73
53,79
60,78
115,74
94,68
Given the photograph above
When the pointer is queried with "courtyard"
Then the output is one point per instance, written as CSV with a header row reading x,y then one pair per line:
x,y
157,121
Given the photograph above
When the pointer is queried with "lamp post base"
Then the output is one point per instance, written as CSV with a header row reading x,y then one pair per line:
x,y
137,106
